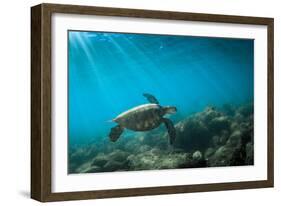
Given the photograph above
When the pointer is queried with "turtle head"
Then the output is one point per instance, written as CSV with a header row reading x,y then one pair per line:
x,y
169,110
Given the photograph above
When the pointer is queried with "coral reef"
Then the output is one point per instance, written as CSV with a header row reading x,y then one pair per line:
x,y
211,138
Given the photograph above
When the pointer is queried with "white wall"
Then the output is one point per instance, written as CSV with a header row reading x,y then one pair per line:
x,y
15,102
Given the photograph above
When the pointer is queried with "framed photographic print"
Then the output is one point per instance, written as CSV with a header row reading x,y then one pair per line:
x,y
130,102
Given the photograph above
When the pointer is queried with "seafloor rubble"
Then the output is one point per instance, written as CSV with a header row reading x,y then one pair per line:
x,y
211,138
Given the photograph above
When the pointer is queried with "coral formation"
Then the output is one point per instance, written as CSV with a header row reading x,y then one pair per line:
x,y
211,138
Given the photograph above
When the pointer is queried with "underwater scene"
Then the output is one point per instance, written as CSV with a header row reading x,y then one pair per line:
x,y
151,102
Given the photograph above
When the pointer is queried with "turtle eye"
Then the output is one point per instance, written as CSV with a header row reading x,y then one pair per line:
x,y
171,110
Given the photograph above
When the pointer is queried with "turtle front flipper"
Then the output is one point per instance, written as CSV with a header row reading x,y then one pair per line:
x,y
171,129
151,98
115,133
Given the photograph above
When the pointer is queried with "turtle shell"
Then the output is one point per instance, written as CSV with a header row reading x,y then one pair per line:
x,y
141,118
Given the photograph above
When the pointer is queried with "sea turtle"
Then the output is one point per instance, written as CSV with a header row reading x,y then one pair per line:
x,y
143,118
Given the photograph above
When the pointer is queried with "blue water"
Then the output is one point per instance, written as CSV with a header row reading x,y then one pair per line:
x,y
109,72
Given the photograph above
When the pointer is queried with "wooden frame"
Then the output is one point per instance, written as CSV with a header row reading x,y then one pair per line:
x,y
41,101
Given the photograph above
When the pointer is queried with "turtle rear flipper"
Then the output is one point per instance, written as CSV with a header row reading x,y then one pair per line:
x,y
115,133
171,129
